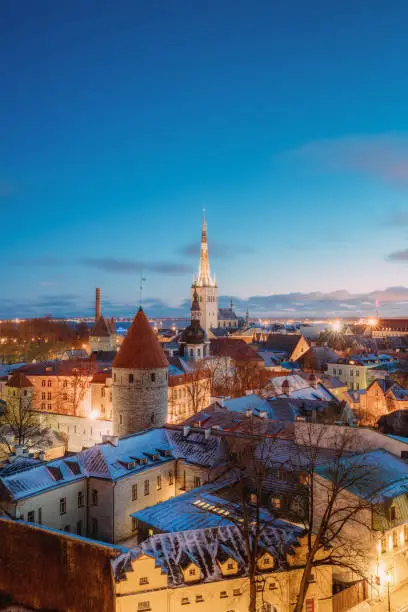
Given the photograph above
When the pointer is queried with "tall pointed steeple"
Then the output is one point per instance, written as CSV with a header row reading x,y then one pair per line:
x,y
204,278
204,290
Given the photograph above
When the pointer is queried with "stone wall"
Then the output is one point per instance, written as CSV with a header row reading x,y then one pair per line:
x,y
140,404
44,569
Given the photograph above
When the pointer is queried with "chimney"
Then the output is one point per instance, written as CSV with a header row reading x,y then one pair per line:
x,y
114,440
97,304
207,433
186,430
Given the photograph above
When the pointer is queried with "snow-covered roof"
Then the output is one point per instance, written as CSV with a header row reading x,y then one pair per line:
x,y
376,476
298,388
115,461
247,402
206,547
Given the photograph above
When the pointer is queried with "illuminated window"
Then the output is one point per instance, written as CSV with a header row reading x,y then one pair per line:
x,y
142,606
223,594
275,502
43,383
94,497
159,483
130,379
192,572
253,498
144,580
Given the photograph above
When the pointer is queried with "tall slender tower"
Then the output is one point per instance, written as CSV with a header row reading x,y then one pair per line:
x,y
205,286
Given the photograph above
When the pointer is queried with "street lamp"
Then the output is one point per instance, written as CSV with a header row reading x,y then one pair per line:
x,y
388,581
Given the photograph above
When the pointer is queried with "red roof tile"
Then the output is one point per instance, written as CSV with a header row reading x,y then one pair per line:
x,y
18,381
140,349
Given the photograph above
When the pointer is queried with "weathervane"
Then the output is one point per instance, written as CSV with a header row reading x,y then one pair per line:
x,y
142,282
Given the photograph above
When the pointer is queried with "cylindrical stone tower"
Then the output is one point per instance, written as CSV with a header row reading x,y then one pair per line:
x,y
139,380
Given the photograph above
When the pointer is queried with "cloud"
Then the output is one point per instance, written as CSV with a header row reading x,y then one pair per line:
x,y
401,256
380,156
393,301
217,250
108,264
396,219
129,266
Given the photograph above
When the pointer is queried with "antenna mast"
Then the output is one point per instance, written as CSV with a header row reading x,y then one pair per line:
x,y
142,282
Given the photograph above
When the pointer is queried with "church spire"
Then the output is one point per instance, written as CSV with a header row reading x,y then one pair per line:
x,y
204,279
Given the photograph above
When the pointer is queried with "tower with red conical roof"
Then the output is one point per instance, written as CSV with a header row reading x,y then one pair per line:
x,y
140,380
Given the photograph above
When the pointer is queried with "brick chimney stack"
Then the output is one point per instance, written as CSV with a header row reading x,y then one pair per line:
x,y
97,304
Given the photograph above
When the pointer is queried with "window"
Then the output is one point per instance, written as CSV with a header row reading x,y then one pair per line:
x,y
79,528
280,475
259,587
94,527
272,586
340,372
49,383
199,598
406,533
267,561
312,578
130,379
171,480
275,502
67,528
65,396
120,419
236,592
63,505
334,371
114,378
393,513
43,383
223,594
43,395
351,372
134,524
153,377
197,481
184,601
252,498
43,406
192,572
80,499
230,566
39,516
134,492
357,372
103,390
144,580
143,605
94,497
65,384
49,406
49,395
146,487
159,483
30,516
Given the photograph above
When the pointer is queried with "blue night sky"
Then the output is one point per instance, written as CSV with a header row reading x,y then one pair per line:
x,y
286,119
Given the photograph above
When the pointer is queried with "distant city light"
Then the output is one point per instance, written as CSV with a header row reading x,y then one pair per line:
x,y
336,325
372,322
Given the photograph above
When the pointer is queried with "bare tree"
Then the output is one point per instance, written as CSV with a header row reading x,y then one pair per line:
x,y
198,386
20,424
250,457
73,385
326,503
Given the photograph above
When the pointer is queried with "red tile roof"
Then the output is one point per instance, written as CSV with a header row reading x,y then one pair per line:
x,y
101,328
19,381
235,348
140,349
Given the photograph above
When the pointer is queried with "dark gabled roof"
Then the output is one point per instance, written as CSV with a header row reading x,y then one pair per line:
x,y
140,348
19,381
101,328
283,343
235,348
226,314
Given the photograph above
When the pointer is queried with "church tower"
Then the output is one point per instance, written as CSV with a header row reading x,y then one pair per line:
x,y
206,287
139,380
193,339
